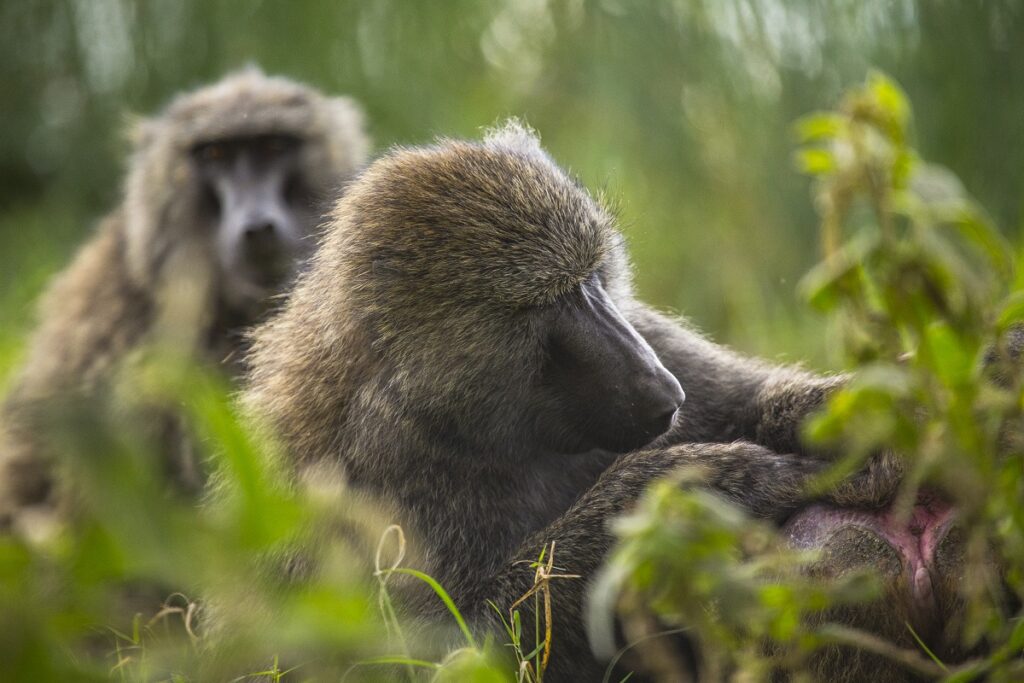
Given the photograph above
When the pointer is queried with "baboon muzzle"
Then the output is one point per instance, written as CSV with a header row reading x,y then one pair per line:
x,y
618,386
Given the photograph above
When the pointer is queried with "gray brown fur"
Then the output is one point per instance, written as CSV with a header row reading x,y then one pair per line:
x,y
400,356
148,276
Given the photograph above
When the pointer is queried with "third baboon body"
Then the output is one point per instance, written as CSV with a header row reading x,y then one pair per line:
x,y
223,192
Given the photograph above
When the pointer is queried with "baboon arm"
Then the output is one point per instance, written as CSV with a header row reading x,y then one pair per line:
x,y
88,317
730,397
767,484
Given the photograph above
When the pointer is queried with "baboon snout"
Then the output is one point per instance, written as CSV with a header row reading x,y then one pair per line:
x,y
250,186
261,241
263,252
660,399
260,231
614,389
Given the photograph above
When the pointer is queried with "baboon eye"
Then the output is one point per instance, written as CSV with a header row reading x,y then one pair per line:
x,y
275,145
209,201
295,191
213,152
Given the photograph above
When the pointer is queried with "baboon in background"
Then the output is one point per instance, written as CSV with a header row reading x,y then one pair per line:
x,y
466,345
223,191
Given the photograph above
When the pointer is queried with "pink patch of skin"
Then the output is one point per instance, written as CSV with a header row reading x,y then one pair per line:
x,y
915,537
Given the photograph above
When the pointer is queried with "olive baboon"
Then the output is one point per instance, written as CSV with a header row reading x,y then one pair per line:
x,y
222,193
466,345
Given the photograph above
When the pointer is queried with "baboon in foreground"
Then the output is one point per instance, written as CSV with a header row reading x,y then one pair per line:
x,y
224,189
466,346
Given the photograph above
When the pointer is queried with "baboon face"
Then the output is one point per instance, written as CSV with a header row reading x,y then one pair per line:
x,y
226,182
489,265
609,389
255,199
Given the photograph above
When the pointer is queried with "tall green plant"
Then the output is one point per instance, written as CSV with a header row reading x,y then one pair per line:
x,y
921,290
926,294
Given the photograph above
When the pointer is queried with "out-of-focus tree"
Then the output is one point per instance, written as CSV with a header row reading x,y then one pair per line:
x,y
679,108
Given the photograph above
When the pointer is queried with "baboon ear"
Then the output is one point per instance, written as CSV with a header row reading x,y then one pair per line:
x,y
141,131
345,126
345,111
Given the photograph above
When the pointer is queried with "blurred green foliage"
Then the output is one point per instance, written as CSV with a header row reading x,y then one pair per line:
x,y
266,579
680,109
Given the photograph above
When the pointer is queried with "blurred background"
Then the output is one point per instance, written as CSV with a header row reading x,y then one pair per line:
x,y
679,111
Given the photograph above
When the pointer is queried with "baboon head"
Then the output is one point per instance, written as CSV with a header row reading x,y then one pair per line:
x,y
240,168
493,245
479,274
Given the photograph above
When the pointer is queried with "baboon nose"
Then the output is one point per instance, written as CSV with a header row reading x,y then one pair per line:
x,y
671,394
259,230
264,252
261,241
664,403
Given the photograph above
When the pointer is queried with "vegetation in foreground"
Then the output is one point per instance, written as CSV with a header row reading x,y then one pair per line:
x,y
923,293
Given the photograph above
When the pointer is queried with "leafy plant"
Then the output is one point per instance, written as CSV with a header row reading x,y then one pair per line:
x,y
928,295
923,293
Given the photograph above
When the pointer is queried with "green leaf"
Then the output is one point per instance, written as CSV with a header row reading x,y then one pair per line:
x,y
1012,310
815,161
891,99
950,360
976,230
441,593
403,661
826,284
819,126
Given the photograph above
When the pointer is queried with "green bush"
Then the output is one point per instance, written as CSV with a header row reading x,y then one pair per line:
x,y
923,294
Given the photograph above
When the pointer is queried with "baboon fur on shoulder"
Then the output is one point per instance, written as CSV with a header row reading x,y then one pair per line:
x,y
417,352
152,275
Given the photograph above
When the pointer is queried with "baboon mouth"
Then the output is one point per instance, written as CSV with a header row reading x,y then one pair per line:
x,y
269,273
270,279
901,545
